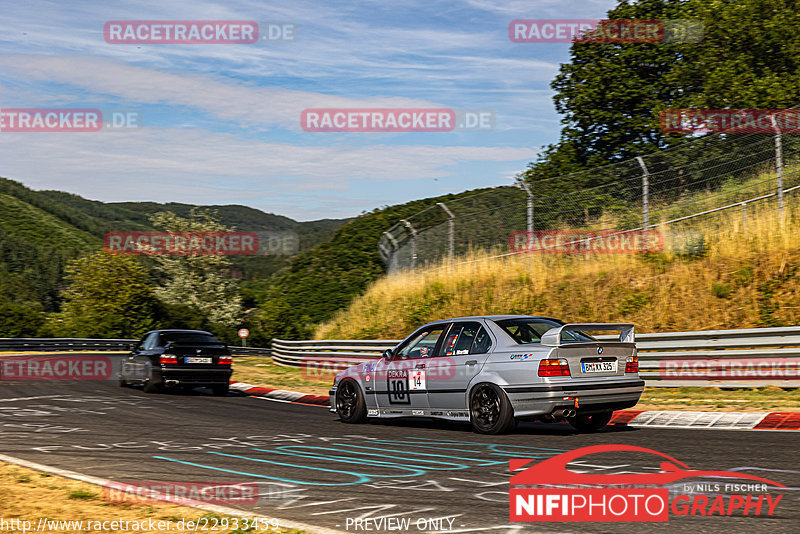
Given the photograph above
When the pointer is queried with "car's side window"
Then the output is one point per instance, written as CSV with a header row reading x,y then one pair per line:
x,y
482,342
460,339
422,345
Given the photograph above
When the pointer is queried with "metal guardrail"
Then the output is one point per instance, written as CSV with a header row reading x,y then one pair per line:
x,y
339,352
25,344
28,344
753,357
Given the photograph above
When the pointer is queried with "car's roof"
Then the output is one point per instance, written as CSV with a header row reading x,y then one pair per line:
x,y
492,318
181,331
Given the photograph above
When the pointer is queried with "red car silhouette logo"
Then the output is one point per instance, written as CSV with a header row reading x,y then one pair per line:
x,y
553,471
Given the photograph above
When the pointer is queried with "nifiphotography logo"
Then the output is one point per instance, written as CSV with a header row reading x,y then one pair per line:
x,y
548,491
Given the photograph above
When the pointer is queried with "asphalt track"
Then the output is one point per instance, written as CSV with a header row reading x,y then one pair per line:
x,y
313,469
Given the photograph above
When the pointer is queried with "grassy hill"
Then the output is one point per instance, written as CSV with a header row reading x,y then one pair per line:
x,y
319,282
735,275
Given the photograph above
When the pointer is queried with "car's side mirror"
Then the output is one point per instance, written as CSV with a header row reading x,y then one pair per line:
x,y
387,354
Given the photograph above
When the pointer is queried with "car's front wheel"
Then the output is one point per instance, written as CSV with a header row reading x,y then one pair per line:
x,y
591,422
350,405
490,410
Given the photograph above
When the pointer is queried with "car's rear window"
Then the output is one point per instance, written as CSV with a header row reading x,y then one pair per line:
x,y
530,330
187,337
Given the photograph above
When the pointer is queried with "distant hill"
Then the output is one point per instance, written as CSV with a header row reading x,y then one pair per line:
x,y
40,231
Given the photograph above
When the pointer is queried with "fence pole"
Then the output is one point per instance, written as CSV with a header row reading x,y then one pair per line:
x,y
451,229
524,185
645,194
413,243
744,216
391,255
778,163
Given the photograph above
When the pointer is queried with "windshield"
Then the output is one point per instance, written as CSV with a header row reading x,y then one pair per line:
x,y
530,330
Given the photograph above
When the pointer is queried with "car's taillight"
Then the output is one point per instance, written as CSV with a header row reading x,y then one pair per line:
x,y
168,358
225,360
632,364
554,367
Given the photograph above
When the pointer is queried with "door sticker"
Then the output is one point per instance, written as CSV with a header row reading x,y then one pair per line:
x,y
397,385
418,380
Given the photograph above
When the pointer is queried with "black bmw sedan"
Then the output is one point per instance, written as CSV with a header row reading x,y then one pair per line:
x,y
178,359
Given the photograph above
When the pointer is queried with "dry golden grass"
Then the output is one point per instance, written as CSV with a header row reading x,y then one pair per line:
x,y
746,277
29,495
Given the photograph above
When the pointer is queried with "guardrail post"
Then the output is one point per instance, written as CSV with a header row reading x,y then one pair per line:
x,y
524,185
413,243
451,229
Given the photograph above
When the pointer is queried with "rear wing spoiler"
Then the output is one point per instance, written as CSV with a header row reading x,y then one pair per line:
x,y
553,336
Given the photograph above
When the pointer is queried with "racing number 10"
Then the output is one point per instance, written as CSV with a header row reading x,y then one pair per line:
x,y
398,392
397,382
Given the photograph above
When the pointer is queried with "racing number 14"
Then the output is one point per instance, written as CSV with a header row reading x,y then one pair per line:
x,y
418,379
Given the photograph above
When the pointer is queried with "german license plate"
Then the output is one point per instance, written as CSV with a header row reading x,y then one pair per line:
x,y
197,359
599,367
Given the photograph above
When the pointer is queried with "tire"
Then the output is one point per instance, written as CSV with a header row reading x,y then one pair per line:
x,y
220,390
149,386
122,382
490,411
591,422
350,405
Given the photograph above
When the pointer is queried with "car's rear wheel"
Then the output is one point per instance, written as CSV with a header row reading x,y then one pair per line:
x,y
490,410
149,385
350,405
591,422
220,390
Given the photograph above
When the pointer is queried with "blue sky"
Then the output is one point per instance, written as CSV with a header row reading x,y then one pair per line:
x,y
220,122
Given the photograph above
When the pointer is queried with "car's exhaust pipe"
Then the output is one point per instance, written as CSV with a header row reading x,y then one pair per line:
x,y
564,412
171,382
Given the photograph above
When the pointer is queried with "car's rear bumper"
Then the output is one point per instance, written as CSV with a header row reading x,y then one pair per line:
x,y
591,396
187,376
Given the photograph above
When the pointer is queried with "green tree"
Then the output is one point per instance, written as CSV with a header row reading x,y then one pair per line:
x,y
611,95
106,296
199,281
